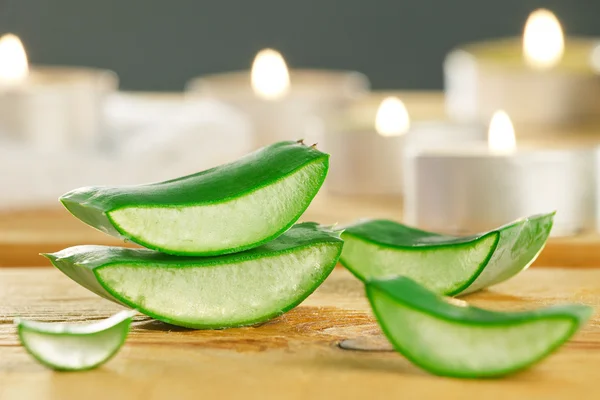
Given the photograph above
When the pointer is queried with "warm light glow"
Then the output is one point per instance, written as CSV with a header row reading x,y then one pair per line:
x,y
13,60
392,118
270,77
543,41
501,134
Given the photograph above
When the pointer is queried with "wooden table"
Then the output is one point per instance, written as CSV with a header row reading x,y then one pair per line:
x,y
295,356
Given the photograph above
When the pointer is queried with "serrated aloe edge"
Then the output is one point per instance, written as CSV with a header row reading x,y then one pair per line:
x,y
226,209
378,249
447,337
209,292
74,347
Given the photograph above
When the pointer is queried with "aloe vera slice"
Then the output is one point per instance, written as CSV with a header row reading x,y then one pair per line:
x,y
379,249
209,292
463,341
75,347
226,209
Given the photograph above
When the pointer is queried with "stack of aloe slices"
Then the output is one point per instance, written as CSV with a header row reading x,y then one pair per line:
x,y
407,271
222,251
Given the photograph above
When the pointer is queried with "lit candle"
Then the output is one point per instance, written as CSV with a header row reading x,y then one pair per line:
x,y
368,160
367,141
477,187
49,108
282,104
539,79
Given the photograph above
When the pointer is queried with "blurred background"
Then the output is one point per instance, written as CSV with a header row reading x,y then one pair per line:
x,y
452,116
158,45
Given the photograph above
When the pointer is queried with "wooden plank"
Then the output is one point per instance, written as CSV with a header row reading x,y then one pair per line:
x,y
25,234
294,356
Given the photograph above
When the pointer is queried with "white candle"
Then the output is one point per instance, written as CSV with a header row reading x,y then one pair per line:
x,y
367,143
475,188
50,108
368,160
541,79
282,104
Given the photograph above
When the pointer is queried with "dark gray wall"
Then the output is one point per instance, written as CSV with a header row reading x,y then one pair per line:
x,y
159,44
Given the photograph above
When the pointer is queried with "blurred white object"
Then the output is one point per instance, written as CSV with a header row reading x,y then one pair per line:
x,y
50,108
542,78
476,87
154,137
367,159
165,136
473,187
57,108
282,104
368,139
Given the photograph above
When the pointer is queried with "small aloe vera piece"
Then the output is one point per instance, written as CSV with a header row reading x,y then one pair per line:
x,y
74,347
223,210
448,337
379,249
209,292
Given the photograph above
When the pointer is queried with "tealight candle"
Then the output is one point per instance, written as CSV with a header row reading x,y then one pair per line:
x,y
282,104
50,108
541,79
477,187
367,142
368,160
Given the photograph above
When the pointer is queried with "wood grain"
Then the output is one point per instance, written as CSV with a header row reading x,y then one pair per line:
x,y
25,234
295,356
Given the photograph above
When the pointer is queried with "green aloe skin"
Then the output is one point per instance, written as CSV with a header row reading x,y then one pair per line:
x,y
462,341
378,249
227,209
74,347
209,292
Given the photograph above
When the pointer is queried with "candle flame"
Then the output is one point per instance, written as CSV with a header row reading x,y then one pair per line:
x,y
501,134
13,60
270,77
392,117
543,40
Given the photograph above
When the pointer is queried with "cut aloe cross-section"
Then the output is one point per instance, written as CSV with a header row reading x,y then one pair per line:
x,y
226,209
378,249
447,337
74,347
209,292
